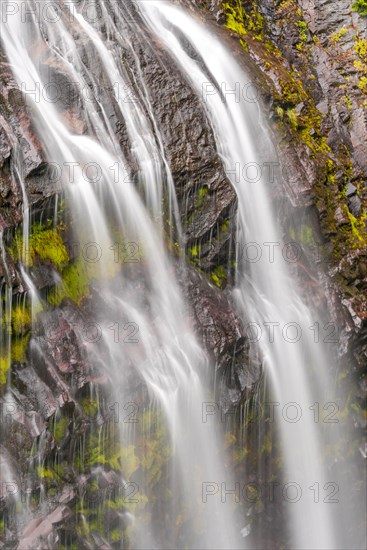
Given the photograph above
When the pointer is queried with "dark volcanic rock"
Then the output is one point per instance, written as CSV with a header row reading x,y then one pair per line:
x,y
222,334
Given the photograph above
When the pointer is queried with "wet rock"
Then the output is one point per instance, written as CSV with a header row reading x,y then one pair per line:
x,y
351,189
38,393
32,421
73,121
10,480
203,190
223,337
68,494
355,205
40,530
100,542
58,350
106,480
299,173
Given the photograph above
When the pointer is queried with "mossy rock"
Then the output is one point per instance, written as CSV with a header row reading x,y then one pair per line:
x,y
45,244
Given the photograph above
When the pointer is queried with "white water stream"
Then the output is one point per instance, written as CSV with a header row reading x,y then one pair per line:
x,y
168,357
266,294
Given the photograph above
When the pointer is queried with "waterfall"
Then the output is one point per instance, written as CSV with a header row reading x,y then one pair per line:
x,y
126,193
166,355
266,293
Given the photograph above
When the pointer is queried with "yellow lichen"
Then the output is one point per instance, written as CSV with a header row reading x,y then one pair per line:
x,y
4,367
21,320
43,244
337,36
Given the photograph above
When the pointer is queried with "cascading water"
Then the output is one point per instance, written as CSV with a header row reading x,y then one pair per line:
x,y
145,296
167,356
265,293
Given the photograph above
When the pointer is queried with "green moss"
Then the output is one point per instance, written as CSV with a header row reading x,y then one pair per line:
x,y
4,367
361,7
292,90
247,23
348,102
219,276
240,455
90,406
279,112
44,244
348,236
224,226
293,118
115,535
306,235
303,234
122,503
235,17
200,196
59,428
104,451
303,30
267,445
244,45
255,21
154,448
75,283
77,276
358,228
19,347
46,473
150,453
174,247
129,460
362,84
360,47
21,320
195,250
337,36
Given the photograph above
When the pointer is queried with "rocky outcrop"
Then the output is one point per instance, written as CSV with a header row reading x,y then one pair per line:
x,y
314,60
225,341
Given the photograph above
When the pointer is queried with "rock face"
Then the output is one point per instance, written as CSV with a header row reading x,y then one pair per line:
x,y
313,63
16,138
314,60
225,340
